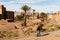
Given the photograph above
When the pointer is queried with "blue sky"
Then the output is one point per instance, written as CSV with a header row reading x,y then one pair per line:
x,y
39,5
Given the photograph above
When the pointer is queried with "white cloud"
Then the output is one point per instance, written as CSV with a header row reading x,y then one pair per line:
x,y
12,5
49,9
5,3
30,1
21,1
39,8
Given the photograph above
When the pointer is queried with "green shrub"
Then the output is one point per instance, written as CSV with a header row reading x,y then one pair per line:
x,y
11,34
53,27
19,18
8,34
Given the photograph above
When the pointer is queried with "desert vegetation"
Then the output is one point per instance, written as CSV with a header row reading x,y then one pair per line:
x,y
26,25
37,19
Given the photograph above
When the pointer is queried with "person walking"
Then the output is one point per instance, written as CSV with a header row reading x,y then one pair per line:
x,y
39,30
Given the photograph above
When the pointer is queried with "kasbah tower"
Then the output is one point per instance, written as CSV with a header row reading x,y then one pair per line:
x,y
6,14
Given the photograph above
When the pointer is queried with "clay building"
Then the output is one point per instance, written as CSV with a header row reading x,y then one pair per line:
x,y
6,14
10,15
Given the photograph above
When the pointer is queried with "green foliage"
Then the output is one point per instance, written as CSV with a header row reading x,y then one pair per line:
x,y
25,8
8,34
11,34
38,16
53,27
19,18
43,16
34,12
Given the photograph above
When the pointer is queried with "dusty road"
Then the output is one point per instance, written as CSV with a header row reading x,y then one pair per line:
x,y
52,36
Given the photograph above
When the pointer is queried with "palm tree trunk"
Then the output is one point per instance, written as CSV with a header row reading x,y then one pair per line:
x,y
25,19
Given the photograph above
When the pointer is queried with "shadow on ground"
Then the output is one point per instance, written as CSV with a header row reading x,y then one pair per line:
x,y
45,34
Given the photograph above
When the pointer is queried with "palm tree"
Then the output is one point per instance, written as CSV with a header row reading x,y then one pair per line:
x,y
33,13
25,8
43,17
38,16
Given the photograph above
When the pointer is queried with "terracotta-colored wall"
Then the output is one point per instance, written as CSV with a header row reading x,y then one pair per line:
x,y
1,6
2,11
10,15
6,14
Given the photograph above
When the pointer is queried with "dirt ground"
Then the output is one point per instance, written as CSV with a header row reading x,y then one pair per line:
x,y
51,36
45,36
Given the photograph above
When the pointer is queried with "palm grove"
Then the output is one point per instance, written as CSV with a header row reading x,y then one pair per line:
x,y
42,16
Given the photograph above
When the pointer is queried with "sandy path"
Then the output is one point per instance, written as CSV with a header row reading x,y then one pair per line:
x,y
52,36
